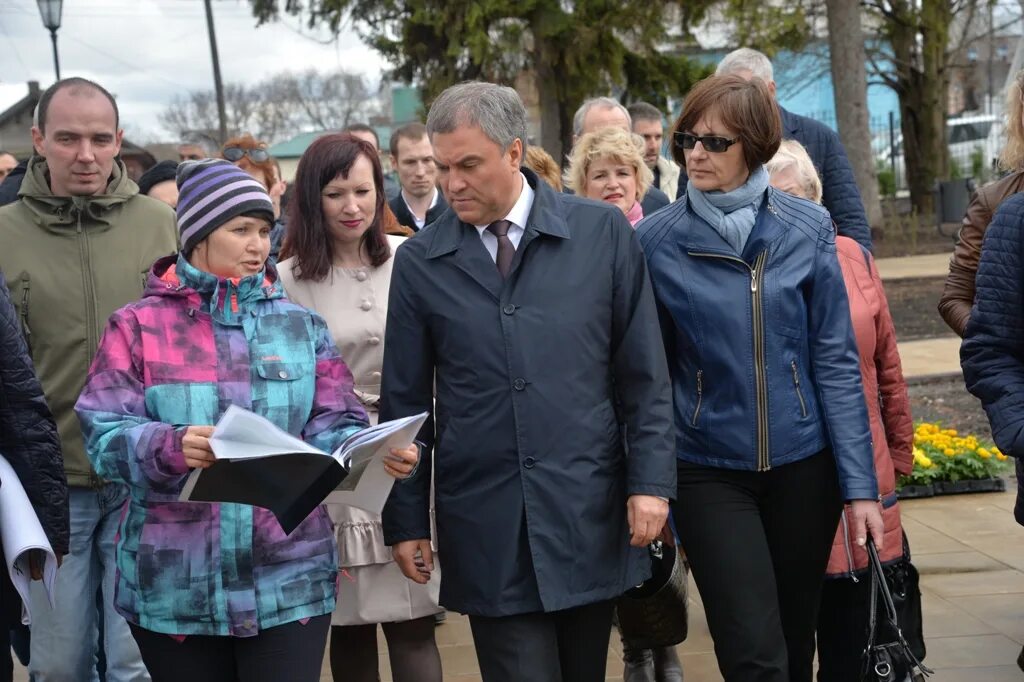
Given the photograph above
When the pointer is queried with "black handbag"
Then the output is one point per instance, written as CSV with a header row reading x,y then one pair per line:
x,y
904,585
892,660
653,614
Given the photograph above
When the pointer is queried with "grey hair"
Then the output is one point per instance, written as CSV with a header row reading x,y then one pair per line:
x,y
204,142
496,109
746,59
603,103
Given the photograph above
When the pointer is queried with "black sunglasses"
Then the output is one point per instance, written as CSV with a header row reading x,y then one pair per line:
x,y
234,154
712,143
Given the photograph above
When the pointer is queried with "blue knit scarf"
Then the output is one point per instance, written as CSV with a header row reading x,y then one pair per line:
x,y
731,214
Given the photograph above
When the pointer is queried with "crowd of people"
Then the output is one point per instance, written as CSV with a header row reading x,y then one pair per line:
x,y
674,335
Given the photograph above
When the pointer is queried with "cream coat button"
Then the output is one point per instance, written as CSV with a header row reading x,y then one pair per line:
x,y
361,276
375,375
374,340
366,305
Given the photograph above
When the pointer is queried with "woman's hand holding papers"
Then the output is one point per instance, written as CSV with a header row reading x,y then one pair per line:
x,y
402,461
195,445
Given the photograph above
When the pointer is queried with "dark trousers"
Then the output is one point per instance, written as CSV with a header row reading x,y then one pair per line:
x,y
843,629
758,544
292,652
563,646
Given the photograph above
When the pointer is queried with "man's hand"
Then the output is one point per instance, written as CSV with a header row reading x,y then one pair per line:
x,y
866,516
415,558
195,445
646,515
402,461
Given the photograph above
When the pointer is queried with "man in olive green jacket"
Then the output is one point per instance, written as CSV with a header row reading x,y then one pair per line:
x,y
75,247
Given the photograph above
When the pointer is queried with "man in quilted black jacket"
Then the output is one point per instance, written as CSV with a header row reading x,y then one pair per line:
x,y
29,441
840,194
992,353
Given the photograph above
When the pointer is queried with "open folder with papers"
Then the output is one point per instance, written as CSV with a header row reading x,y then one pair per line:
x,y
259,464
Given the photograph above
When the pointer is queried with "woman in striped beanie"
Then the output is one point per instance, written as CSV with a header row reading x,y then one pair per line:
x,y
218,592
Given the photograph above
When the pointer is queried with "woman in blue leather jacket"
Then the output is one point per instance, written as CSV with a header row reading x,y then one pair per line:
x,y
772,429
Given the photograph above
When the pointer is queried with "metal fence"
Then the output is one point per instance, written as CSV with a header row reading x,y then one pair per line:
x,y
974,145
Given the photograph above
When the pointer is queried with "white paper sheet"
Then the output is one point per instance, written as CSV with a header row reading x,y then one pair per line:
x,y
20,534
368,485
241,434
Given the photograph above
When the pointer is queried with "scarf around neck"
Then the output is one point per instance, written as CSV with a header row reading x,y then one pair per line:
x,y
731,214
635,214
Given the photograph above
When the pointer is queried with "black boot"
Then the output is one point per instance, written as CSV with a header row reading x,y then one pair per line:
x,y
667,667
638,665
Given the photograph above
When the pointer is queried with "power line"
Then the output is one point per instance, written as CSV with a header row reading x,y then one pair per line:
x,y
134,67
14,45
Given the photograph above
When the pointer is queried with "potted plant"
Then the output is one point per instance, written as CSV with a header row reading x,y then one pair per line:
x,y
946,463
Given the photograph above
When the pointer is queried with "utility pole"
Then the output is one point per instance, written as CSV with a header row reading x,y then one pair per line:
x,y
990,108
217,84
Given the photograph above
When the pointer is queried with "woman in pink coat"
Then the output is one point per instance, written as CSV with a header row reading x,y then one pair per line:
x,y
842,622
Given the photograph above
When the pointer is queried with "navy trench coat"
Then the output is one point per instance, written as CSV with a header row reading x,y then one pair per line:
x,y
544,383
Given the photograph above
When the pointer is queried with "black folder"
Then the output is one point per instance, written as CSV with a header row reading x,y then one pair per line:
x,y
290,485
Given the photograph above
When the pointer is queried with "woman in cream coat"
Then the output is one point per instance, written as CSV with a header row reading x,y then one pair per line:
x,y
337,261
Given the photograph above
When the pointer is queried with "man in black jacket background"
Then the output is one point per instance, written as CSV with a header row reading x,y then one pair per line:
x,y
419,202
29,442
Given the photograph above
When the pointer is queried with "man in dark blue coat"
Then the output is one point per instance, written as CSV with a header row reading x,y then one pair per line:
x,y
530,316
840,194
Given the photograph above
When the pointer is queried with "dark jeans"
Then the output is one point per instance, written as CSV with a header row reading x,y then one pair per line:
x,y
563,646
843,629
292,652
758,544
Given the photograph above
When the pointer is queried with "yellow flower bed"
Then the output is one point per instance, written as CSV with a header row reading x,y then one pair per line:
x,y
945,455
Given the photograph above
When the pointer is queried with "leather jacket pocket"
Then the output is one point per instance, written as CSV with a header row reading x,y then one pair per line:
x,y
698,403
799,390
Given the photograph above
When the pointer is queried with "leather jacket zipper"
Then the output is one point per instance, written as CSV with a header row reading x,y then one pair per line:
x,y
700,396
799,393
846,545
760,372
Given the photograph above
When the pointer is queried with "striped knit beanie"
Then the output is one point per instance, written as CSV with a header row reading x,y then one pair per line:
x,y
212,192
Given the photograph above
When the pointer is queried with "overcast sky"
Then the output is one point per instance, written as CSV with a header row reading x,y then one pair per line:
x,y
146,51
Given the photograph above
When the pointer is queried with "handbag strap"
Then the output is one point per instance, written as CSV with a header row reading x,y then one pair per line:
x,y
878,579
879,586
873,608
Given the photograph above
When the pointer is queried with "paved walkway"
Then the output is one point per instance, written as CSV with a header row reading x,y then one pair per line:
x,y
927,357
909,267
970,553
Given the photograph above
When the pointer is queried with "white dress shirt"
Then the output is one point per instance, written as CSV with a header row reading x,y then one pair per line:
x,y
518,216
420,222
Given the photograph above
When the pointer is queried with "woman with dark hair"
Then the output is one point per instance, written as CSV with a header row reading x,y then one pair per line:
x,y
337,261
772,429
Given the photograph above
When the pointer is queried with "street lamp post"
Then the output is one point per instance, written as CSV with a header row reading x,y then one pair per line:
x,y
50,11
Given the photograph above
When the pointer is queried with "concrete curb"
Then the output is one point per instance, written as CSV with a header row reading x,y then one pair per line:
x,y
934,378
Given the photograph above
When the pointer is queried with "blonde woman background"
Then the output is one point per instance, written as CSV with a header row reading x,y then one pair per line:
x,y
608,165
